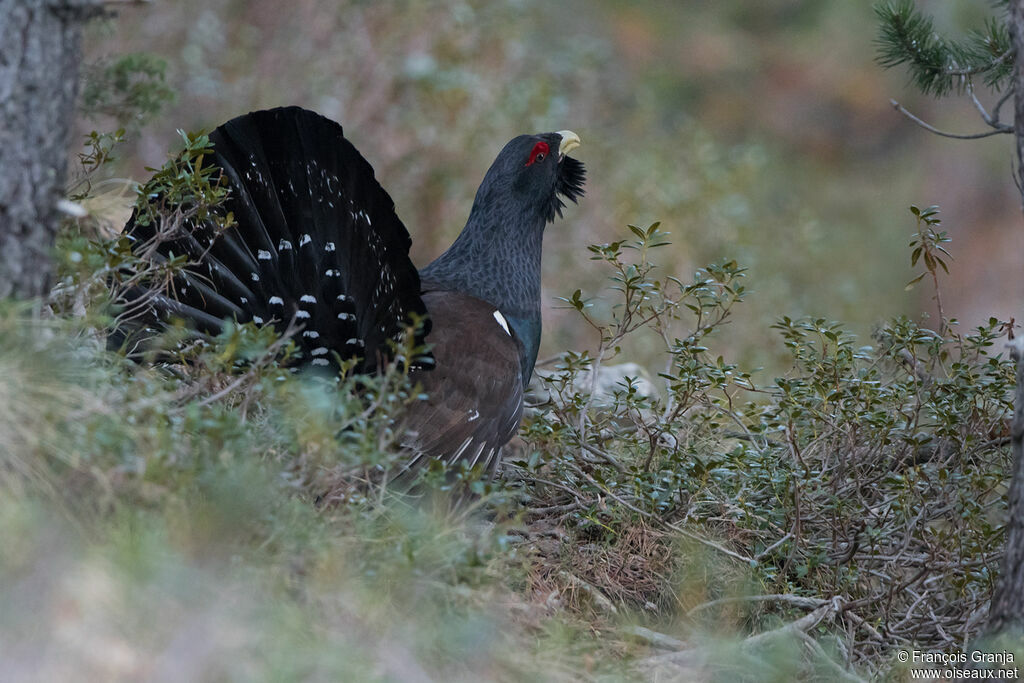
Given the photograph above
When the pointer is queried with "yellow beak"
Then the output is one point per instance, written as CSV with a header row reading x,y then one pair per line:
x,y
570,141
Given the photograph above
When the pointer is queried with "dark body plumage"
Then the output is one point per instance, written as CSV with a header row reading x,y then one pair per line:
x,y
317,241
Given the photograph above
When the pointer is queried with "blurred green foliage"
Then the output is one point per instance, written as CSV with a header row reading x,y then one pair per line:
x,y
242,500
131,88
761,134
185,181
938,64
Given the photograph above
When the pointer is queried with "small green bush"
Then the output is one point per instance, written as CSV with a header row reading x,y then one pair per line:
x,y
860,494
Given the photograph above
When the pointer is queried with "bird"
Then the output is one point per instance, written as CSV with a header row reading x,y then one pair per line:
x,y
317,242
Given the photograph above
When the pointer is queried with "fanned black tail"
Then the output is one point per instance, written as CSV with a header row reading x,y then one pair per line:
x,y
316,240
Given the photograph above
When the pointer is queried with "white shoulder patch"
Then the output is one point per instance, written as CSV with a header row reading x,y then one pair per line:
x,y
501,321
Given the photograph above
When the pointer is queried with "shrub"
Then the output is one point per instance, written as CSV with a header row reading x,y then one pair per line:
x,y
849,507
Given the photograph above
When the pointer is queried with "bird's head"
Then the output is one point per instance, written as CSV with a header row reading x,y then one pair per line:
x,y
537,172
497,256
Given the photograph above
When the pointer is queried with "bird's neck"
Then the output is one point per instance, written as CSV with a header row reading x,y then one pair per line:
x,y
497,258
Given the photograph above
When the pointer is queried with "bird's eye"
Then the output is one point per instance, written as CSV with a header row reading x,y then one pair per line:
x,y
539,151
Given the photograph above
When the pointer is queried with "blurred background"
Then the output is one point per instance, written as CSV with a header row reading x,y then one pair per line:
x,y
760,132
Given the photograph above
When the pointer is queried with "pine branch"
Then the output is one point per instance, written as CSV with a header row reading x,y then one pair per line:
x,y
994,45
998,128
937,64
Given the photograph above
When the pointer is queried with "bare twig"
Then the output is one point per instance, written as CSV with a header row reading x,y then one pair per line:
x,y
827,609
600,599
822,657
767,551
788,598
674,527
998,128
659,640
975,70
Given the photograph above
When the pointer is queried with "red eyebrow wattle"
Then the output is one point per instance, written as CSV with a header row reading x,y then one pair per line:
x,y
539,148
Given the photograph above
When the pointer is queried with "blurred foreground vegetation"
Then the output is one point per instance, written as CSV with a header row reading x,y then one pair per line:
x,y
697,518
216,515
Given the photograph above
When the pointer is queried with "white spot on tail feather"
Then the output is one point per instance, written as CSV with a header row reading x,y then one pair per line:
x,y
319,351
284,245
276,300
305,239
501,321
308,298
458,453
302,315
329,246
321,361
263,255
258,320
479,452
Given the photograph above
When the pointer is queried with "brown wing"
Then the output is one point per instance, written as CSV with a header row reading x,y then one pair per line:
x,y
475,391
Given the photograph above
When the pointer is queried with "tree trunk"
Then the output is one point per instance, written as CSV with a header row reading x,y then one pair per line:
x,y
39,57
1007,610
1016,17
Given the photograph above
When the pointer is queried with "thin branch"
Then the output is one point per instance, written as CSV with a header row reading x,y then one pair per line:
x,y
647,515
975,70
767,551
654,638
827,609
822,657
979,106
788,598
998,128
600,599
999,105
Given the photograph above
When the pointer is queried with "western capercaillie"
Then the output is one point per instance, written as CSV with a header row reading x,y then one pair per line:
x,y
316,242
